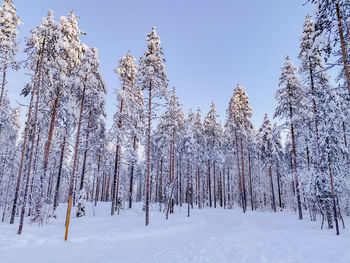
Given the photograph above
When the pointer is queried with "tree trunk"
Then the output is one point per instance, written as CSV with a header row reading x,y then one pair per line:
x,y
271,180
214,185
243,180
85,153
343,46
209,184
333,196
14,206
160,198
250,182
188,188
3,84
148,151
239,171
32,142
295,165
279,187
57,190
72,179
199,187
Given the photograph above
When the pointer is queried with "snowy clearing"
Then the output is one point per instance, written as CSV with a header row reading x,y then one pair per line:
x,y
209,235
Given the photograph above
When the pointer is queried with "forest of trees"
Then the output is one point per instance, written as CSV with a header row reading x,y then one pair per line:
x,y
154,153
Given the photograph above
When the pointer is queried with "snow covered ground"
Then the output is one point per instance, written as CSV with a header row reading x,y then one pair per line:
x,y
209,235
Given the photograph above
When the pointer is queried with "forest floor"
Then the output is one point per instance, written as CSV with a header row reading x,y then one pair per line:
x,y
209,235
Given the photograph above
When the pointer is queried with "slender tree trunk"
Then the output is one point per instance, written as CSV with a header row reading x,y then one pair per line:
x,y
295,165
214,185
239,171
107,188
333,196
103,187
97,190
279,187
32,141
199,187
160,199
50,135
250,182
228,189
117,157
81,208
85,153
72,179
57,190
131,184
3,84
343,46
188,188
115,174
220,187
209,184
224,187
148,151
271,180
157,182
14,206
132,174
243,179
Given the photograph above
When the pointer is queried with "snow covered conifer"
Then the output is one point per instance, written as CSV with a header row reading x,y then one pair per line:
x,y
332,23
152,78
290,97
9,24
127,123
265,149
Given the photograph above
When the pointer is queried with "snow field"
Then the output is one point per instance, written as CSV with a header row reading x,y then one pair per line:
x,y
209,235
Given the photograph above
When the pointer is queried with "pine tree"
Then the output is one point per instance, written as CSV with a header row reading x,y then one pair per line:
x,y
265,150
332,19
290,97
9,24
152,77
89,89
212,133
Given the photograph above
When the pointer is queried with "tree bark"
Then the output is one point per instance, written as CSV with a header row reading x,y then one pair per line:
x,y
32,142
14,206
333,196
271,180
343,46
72,179
148,150
243,179
3,84
295,164
57,190
214,185
250,182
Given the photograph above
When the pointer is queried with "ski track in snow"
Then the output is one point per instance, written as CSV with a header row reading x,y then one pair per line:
x,y
209,235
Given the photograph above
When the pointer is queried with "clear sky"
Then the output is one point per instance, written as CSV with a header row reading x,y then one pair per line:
x,y
210,45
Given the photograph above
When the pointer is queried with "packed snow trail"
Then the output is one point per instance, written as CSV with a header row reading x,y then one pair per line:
x,y
209,235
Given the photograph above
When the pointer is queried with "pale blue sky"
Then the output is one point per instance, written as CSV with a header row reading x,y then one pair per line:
x,y
210,46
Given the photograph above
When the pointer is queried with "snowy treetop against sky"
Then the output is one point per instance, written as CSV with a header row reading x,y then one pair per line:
x,y
210,49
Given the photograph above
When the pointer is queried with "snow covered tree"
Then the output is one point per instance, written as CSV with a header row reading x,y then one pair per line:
x,y
290,97
332,23
152,78
90,89
212,137
239,127
265,150
9,24
127,124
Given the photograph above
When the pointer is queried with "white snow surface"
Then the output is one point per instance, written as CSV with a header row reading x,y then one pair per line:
x,y
209,235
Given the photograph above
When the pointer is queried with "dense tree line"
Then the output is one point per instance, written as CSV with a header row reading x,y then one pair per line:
x,y
153,152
